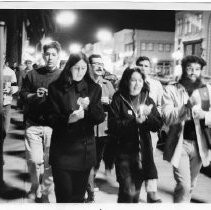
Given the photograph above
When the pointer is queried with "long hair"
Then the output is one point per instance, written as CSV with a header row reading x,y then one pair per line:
x,y
124,82
66,78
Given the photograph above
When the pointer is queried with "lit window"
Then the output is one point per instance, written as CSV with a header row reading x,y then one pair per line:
x,y
199,20
150,46
167,47
143,46
186,26
160,47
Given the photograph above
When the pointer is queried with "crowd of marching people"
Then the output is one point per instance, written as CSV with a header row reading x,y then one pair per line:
x,y
77,114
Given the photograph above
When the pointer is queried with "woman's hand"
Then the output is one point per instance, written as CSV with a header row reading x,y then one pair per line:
x,y
105,100
83,102
143,112
76,116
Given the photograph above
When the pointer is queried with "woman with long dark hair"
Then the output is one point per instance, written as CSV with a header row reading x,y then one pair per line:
x,y
133,116
74,108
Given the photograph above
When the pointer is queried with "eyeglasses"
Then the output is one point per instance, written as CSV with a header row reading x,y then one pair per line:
x,y
190,69
98,64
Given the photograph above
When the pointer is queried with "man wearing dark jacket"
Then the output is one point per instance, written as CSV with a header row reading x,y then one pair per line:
x,y
38,135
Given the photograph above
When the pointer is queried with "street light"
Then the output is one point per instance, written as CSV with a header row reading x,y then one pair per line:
x,y
66,18
104,35
75,48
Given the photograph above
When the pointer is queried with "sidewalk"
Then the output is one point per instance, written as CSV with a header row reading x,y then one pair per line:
x,y
16,174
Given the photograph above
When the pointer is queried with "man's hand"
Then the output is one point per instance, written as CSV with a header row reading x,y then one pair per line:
x,y
198,113
76,116
41,92
83,102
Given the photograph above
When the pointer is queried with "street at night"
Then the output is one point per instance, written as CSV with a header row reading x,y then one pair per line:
x,y
105,103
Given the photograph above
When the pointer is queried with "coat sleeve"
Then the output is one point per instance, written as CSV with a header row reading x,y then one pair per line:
x,y
28,88
118,126
174,109
208,113
154,121
54,115
95,113
159,98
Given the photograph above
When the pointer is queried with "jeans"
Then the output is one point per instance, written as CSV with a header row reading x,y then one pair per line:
x,y
37,143
187,172
70,186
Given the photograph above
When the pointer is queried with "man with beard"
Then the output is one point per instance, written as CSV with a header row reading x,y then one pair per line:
x,y
186,146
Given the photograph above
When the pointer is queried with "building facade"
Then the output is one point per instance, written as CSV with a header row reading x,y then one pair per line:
x,y
157,45
128,43
193,35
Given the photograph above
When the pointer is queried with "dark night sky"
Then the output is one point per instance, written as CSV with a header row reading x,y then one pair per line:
x,y
89,21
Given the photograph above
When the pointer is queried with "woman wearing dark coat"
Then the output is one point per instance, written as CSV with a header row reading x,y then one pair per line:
x,y
74,109
133,115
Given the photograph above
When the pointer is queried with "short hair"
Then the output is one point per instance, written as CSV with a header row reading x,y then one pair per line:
x,y
124,82
53,44
142,58
93,56
192,59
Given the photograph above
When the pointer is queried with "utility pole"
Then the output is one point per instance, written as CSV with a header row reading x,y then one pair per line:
x,y
2,25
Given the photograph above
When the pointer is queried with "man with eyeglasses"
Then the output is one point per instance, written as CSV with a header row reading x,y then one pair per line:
x,y
184,112
97,72
34,93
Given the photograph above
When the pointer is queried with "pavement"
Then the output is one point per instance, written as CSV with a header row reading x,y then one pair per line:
x,y
17,177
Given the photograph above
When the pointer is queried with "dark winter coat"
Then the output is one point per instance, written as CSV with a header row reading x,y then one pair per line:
x,y
73,145
132,136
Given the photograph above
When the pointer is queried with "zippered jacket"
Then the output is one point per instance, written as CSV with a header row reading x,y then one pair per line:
x,y
132,137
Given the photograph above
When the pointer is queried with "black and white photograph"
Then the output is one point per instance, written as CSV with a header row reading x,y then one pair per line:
x,y
105,102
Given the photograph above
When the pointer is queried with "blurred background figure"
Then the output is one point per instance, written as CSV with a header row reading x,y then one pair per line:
x,y
28,64
9,88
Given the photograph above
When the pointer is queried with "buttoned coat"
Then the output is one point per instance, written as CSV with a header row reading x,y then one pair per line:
x,y
73,144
